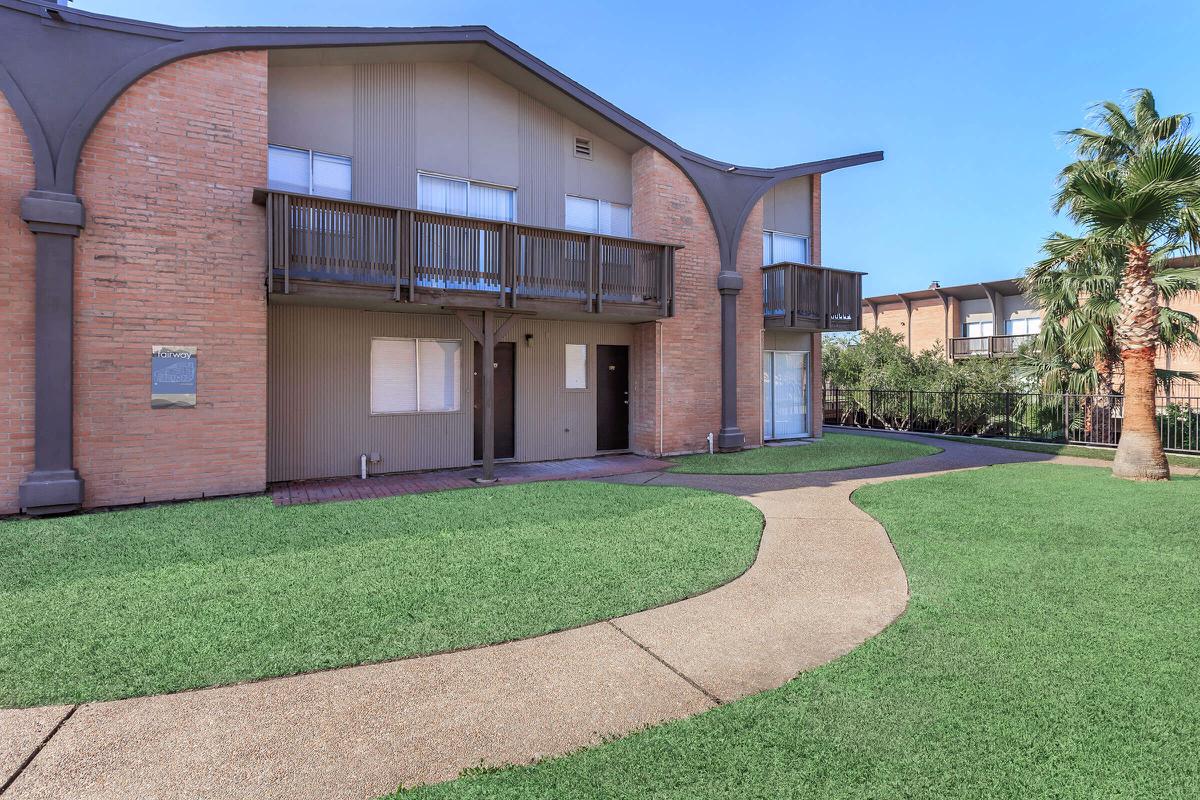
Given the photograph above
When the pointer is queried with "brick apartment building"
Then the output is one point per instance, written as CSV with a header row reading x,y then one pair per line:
x,y
990,319
246,255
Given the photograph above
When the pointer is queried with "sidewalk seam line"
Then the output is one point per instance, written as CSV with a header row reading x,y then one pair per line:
x,y
45,741
715,700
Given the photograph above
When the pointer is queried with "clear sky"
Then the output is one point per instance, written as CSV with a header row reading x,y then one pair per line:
x,y
964,98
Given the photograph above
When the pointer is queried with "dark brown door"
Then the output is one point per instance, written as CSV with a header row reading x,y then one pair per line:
x,y
612,397
505,355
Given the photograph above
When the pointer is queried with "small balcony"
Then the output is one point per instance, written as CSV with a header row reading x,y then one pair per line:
x,y
811,298
969,346
366,251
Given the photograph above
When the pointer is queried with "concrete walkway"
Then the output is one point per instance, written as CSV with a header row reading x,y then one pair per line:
x,y
826,579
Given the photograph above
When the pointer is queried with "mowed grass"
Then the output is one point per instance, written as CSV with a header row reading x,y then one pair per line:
x,y
152,600
833,451
1050,649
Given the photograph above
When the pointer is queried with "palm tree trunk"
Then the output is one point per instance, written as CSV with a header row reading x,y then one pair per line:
x,y
1139,455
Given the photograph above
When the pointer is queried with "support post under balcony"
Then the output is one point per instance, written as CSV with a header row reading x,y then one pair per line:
x,y
730,437
54,486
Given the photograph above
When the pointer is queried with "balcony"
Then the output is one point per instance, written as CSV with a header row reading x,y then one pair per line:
x,y
968,346
365,251
811,298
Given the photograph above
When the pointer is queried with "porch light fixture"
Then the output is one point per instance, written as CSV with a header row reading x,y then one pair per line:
x,y
529,340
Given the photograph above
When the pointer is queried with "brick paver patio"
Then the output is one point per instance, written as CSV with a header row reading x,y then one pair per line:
x,y
324,491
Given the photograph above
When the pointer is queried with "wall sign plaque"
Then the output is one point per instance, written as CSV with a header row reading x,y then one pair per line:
x,y
172,377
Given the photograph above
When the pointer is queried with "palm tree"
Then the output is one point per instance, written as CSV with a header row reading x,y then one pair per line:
x,y
1135,192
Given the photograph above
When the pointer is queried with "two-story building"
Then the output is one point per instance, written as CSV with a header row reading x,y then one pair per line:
x,y
991,319
246,255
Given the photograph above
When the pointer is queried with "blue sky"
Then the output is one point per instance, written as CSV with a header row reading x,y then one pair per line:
x,y
965,99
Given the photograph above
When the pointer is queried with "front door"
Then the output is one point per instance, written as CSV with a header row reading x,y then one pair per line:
x,y
785,394
612,397
505,355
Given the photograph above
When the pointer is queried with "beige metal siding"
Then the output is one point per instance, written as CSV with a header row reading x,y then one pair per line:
x,y
385,133
540,197
312,107
787,207
319,418
775,339
453,118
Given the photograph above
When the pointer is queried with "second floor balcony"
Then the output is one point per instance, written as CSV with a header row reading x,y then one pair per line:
x,y
811,298
323,246
968,346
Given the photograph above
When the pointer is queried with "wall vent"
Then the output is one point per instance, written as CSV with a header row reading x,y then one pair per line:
x,y
583,148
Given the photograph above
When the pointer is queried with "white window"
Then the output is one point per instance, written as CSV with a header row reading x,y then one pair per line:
x,y
409,375
780,248
576,372
465,198
598,216
290,169
1023,326
974,330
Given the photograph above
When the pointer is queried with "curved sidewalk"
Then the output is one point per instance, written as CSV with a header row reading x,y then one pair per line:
x,y
826,579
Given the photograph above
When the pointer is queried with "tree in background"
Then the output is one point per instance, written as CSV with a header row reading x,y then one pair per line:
x,y
1135,194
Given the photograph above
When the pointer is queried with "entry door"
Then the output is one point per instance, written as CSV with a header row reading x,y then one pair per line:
x,y
505,355
612,397
785,394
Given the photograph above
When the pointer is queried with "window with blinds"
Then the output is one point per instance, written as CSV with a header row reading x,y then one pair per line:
x,y
576,369
598,216
415,375
291,169
781,248
465,198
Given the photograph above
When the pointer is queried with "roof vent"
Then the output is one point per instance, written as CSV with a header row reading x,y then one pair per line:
x,y
935,285
583,148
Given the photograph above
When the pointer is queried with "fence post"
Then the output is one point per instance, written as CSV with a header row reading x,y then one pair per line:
x,y
1066,417
870,406
1008,415
910,409
955,428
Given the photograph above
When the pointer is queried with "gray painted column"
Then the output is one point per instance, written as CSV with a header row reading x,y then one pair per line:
x,y
730,437
54,486
487,364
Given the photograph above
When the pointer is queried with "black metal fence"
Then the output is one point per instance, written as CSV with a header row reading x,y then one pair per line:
x,y
1070,418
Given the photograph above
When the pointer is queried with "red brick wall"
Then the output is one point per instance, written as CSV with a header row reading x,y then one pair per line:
x,y
685,349
16,310
928,324
173,254
816,219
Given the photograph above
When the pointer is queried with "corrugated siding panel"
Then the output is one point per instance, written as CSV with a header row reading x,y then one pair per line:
x,y
385,150
543,183
319,419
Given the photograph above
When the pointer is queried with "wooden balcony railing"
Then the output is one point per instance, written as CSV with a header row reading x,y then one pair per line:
x,y
967,346
422,256
812,298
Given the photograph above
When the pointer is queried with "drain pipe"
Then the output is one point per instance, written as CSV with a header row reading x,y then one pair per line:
x,y
710,444
362,466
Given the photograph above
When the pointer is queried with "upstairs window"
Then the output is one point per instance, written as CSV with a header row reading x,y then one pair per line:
x,y
975,330
290,169
466,198
1023,326
589,215
779,248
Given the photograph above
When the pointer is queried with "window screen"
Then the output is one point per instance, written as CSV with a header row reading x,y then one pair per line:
x,y
598,216
779,248
331,176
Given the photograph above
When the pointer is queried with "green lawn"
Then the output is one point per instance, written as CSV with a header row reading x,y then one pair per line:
x,y
1051,649
152,600
834,451
1098,453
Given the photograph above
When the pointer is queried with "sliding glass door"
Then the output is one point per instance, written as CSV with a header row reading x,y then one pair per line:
x,y
785,394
